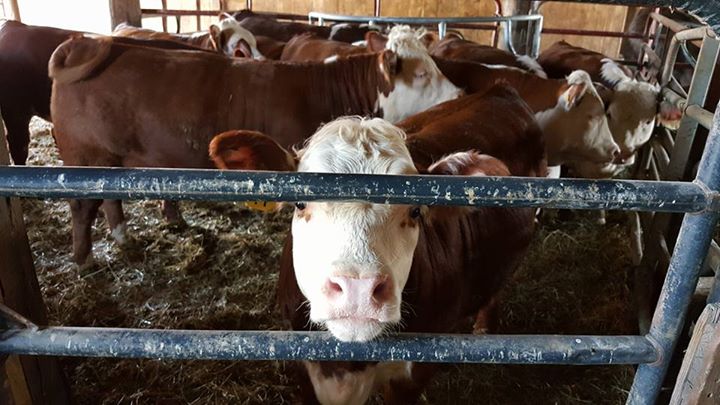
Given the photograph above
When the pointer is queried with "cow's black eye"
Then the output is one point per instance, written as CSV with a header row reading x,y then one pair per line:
x,y
300,205
415,213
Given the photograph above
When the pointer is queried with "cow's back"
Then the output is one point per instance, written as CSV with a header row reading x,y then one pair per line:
x,y
560,59
136,106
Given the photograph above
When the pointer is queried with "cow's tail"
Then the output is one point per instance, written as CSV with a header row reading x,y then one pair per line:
x,y
77,58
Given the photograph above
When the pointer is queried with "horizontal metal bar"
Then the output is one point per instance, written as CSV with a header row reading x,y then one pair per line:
x,y
231,185
276,345
157,12
671,24
593,33
413,20
699,114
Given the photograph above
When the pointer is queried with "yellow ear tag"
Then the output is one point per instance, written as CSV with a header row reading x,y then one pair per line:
x,y
263,206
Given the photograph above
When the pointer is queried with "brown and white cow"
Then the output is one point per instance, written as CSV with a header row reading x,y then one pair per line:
x,y
569,111
308,47
135,113
269,47
457,48
226,36
361,269
633,106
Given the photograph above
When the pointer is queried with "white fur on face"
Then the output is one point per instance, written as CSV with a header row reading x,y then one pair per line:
x,y
631,115
355,240
579,132
238,33
419,84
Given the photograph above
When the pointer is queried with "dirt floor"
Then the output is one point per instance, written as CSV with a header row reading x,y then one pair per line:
x,y
219,272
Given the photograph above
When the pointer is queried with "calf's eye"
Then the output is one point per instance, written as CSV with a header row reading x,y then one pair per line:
x,y
300,205
415,213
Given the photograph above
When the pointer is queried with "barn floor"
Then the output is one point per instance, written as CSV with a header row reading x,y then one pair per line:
x,y
219,272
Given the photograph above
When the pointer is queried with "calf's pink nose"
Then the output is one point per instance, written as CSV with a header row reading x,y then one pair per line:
x,y
375,290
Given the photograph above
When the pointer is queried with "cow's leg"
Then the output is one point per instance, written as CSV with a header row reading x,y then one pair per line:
x,y
17,121
486,318
171,211
340,386
116,220
83,215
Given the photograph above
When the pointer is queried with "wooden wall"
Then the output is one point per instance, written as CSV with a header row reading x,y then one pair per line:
x,y
557,15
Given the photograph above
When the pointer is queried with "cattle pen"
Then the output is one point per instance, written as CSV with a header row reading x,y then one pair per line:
x,y
665,185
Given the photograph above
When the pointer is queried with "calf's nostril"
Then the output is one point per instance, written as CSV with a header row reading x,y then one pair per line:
x,y
333,287
382,292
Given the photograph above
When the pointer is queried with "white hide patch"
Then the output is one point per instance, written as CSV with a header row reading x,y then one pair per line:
x,y
532,65
420,85
354,240
612,73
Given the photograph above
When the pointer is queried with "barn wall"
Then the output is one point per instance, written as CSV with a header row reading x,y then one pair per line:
x,y
557,15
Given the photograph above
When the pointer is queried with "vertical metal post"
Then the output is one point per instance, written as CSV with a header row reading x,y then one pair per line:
x,y
696,96
687,260
442,29
537,37
377,9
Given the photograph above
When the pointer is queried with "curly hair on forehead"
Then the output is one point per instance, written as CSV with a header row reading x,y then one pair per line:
x,y
357,145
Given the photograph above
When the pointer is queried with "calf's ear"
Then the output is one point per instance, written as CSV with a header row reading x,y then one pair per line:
x,y
574,94
216,37
469,163
249,150
429,39
669,115
375,41
388,64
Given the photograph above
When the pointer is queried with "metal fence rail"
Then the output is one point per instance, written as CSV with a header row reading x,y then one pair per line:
x,y
652,351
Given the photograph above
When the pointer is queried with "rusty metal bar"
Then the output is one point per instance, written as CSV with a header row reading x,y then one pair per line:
x,y
593,33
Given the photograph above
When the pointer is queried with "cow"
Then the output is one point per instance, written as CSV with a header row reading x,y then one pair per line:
x,y
135,114
24,83
266,25
226,36
308,47
569,110
360,270
633,106
457,48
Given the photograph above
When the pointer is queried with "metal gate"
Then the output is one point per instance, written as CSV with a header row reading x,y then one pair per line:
x,y
699,198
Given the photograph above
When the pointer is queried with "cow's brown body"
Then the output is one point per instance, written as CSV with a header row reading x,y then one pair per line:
x,y
463,257
562,58
268,26
452,47
24,83
269,47
540,94
122,106
309,47
198,39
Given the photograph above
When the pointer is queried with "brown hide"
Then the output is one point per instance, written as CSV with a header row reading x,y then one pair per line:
x,y
452,47
268,26
562,58
463,256
199,40
24,83
270,48
310,48
540,94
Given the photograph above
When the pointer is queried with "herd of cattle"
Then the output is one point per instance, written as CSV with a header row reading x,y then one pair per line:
x,y
407,102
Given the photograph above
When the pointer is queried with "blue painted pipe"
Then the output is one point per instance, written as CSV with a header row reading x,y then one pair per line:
x,y
185,184
690,250
275,345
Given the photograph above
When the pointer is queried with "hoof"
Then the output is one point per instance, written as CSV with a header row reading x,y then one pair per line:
x,y
87,266
479,330
601,221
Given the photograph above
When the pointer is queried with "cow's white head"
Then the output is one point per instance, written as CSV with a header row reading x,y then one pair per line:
x,y
633,107
417,82
351,259
576,129
233,40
